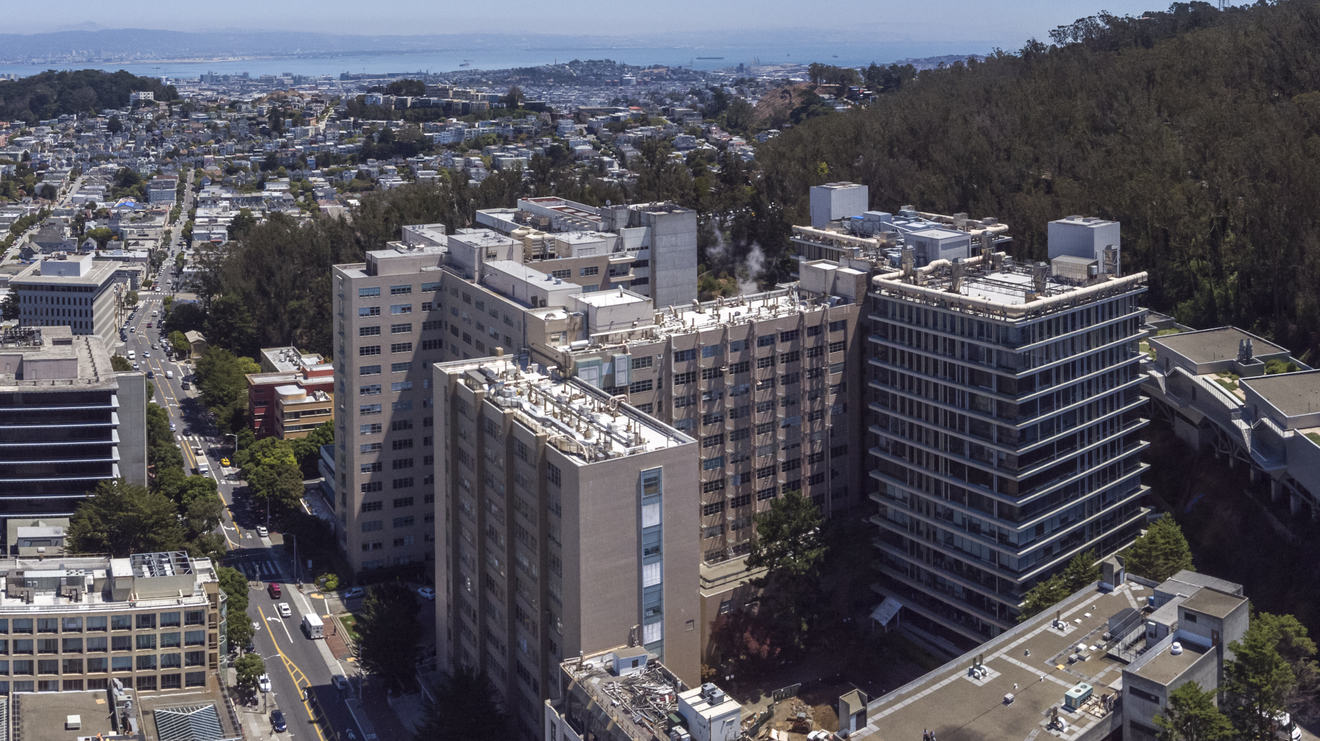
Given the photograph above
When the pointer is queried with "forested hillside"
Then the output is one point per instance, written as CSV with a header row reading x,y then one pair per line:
x,y
1198,130
52,93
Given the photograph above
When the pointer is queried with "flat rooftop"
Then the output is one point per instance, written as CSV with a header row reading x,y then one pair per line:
x,y
1163,665
54,357
639,703
40,716
591,426
1294,394
1031,662
1213,603
1209,345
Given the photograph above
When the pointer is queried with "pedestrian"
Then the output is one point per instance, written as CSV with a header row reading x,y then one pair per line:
x,y
925,735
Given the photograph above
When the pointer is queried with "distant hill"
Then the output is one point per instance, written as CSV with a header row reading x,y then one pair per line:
x,y
52,94
1198,129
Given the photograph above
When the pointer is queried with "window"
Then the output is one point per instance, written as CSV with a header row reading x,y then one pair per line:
x,y
367,292
402,444
641,362
685,378
709,374
400,465
765,341
710,464
710,486
839,326
712,441
369,390
369,448
372,486
741,500
683,356
763,494
789,336
742,433
403,501
369,409
372,525
372,506
712,418
561,274
712,351
371,429
400,290
815,352
837,346
369,370
404,521
367,350
400,328
401,367
714,508
737,345
398,386
369,331
368,311
741,366
432,344
552,474
790,357
589,271
766,362
637,387
397,309
814,330
431,287
401,347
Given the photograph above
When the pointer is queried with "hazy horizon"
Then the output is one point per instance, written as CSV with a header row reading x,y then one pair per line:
x,y
983,23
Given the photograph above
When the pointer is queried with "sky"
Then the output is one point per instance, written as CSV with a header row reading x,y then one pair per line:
x,y
1008,22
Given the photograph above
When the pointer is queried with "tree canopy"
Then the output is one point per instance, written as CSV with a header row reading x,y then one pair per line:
x,y
465,707
120,519
1160,553
389,633
1191,715
51,94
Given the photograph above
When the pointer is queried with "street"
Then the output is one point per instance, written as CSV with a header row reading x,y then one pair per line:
x,y
293,661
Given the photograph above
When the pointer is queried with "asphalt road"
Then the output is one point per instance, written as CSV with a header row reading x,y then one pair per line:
x,y
293,661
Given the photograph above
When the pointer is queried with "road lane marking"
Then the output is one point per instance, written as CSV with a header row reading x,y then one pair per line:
x,y
294,674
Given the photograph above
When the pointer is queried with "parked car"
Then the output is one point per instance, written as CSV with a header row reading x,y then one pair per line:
x,y
277,722
262,531
274,590
285,610
340,682
263,683
426,593
353,593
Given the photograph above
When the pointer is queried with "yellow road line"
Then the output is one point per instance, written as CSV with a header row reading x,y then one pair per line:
x,y
294,673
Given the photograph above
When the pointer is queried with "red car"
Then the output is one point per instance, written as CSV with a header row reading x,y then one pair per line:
x,y
274,590
148,325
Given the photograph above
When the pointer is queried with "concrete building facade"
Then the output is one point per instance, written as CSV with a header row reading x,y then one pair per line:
x,y
566,524
74,291
387,333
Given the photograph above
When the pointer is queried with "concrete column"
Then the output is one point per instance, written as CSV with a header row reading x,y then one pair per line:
x,y
1276,490
1294,502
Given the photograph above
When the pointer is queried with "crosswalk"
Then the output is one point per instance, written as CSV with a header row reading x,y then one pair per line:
x,y
263,570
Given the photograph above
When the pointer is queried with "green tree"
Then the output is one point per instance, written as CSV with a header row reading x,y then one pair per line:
x,y
389,633
514,98
1191,715
787,540
120,363
1046,594
235,587
114,125
1258,679
464,708
131,298
48,191
1083,569
307,450
1161,552
180,343
222,381
9,306
122,518
102,236
249,668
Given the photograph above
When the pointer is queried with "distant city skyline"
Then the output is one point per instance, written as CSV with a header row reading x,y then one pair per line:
x,y
979,22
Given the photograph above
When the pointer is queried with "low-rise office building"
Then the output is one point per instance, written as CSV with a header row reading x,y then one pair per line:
x,y
292,395
75,291
153,621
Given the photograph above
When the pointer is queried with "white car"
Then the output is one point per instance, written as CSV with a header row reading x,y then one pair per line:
x,y
263,682
132,355
146,353
262,531
169,374
284,609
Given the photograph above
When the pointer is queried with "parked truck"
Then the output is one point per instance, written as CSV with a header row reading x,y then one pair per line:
x,y
313,626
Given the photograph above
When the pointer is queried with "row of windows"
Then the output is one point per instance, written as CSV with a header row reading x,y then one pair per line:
x,y
100,644
143,621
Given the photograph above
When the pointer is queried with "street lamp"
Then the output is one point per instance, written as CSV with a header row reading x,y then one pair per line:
x,y
296,580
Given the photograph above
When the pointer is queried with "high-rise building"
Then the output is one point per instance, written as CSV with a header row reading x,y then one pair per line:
x,y
1005,413
566,525
68,421
387,331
